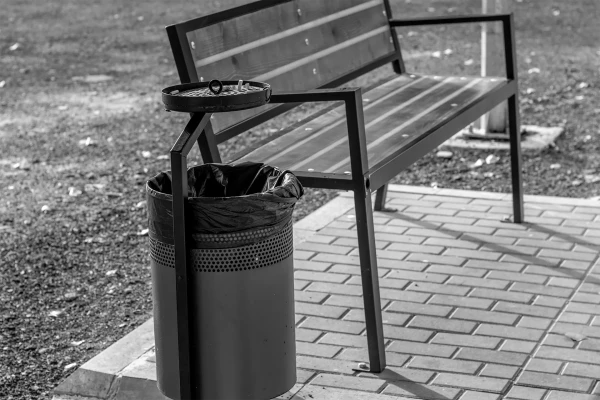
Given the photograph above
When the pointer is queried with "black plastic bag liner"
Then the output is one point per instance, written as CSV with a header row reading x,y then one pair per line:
x,y
225,198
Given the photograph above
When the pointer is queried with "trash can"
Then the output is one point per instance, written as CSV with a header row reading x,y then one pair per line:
x,y
242,335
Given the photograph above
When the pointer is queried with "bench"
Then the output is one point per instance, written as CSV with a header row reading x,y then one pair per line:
x,y
306,49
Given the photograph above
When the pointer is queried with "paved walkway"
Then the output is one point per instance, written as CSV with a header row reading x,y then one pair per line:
x,y
475,308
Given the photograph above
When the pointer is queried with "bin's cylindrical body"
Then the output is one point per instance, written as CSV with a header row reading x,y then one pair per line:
x,y
243,326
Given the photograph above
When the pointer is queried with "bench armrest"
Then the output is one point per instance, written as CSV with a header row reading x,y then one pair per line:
x,y
355,121
507,20
316,95
459,19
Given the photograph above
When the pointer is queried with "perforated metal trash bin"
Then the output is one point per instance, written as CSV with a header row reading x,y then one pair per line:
x,y
242,321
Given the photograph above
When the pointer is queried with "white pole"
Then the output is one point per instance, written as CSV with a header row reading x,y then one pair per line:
x,y
492,62
484,30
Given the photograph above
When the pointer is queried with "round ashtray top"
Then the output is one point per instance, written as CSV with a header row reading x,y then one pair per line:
x,y
216,96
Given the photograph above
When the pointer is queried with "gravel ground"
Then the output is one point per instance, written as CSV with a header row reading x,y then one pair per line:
x,y
76,155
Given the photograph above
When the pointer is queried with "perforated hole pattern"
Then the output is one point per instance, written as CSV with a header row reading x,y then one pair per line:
x,y
235,237
257,255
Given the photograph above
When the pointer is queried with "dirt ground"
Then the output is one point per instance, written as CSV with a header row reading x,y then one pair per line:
x,y
82,128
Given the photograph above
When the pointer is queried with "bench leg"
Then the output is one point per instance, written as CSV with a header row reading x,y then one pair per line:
x,y
380,198
515,158
370,280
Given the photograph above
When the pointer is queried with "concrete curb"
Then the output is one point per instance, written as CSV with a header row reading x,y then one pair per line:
x,y
99,378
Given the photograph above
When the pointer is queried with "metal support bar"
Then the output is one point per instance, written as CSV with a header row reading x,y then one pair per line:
x,y
397,64
459,19
510,47
179,153
365,231
324,180
514,130
514,123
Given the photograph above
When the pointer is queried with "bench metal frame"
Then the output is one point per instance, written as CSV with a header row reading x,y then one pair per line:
x,y
363,180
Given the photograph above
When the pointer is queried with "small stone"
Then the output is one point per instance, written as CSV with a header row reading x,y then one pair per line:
x,y
533,71
54,313
140,204
476,164
70,296
70,366
14,47
554,166
444,154
23,164
111,272
583,85
436,54
591,178
492,159
363,366
74,192
87,142
577,182
63,108
45,208
470,61
146,154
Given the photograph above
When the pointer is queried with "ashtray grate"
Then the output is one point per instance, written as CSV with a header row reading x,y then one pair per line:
x,y
216,96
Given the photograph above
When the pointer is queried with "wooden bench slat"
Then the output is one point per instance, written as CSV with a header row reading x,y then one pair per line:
x,y
290,149
403,114
303,76
386,96
291,51
252,27
281,48
404,128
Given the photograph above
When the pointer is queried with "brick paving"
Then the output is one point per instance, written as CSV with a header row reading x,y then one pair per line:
x,y
475,308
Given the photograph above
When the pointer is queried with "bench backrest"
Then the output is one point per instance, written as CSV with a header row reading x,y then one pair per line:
x,y
291,44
